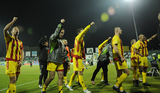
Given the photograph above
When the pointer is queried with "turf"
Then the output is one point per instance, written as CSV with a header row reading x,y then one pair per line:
x,y
28,82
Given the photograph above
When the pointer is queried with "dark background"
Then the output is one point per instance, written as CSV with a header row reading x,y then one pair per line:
x,y
37,18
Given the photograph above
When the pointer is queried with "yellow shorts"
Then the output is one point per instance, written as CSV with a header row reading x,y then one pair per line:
x,y
143,61
54,66
134,62
120,66
78,64
12,67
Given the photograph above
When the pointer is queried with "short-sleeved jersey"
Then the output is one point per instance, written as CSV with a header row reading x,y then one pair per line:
x,y
100,47
145,47
139,45
79,44
14,48
117,41
133,54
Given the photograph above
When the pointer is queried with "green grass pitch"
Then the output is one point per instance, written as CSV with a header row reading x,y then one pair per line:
x,y
28,82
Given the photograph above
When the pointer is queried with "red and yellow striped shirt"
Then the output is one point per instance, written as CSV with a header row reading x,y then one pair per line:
x,y
133,54
14,48
79,44
139,45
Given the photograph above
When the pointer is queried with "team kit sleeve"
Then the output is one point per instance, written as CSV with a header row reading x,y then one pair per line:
x,y
115,41
100,46
137,45
8,38
79,36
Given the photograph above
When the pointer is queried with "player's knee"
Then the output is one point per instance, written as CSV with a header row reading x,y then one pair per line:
x,y
60,77
51,77
13,80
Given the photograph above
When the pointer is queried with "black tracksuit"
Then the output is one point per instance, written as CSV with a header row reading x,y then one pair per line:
x,y
43,60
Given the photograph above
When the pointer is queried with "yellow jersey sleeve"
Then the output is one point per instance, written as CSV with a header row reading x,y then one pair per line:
x,y
80,35
101,45
8,38
137,45
115,40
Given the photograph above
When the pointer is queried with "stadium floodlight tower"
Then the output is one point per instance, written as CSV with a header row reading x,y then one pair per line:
x,y
135,27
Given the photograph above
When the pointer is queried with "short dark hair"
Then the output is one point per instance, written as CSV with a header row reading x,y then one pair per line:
x,y
78,31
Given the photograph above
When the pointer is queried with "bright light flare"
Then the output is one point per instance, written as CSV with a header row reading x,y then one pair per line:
x,y
104,17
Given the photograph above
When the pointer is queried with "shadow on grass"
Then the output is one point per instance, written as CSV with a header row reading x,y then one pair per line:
x,y
140,89
100,86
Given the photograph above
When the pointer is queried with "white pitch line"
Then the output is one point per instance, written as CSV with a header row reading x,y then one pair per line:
x,y
32,81
20,85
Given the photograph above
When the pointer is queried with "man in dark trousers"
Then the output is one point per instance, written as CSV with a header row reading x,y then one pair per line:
x,y
102,62
43,45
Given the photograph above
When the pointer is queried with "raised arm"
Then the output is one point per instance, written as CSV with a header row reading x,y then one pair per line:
x,y
7,27
55,35
80,35
104,42
152,37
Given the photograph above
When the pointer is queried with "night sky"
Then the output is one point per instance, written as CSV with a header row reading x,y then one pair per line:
x,y
37,18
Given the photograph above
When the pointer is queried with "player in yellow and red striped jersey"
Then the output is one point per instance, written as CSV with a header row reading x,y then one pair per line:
x,y
139,49
14,56
78,58
134,61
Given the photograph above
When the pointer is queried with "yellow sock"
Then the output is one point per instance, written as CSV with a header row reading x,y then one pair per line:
x,y
121,79
102,76
65,79
71,79
60,88
44,87
82,82
137,75
12,88
120,88
134,74
144,77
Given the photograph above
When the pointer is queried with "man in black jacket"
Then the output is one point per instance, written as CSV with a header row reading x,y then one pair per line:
x,y
57,54
43,45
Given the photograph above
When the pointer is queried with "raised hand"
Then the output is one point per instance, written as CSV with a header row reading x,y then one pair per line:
x,y
109,38
92,23
62,20
15,19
